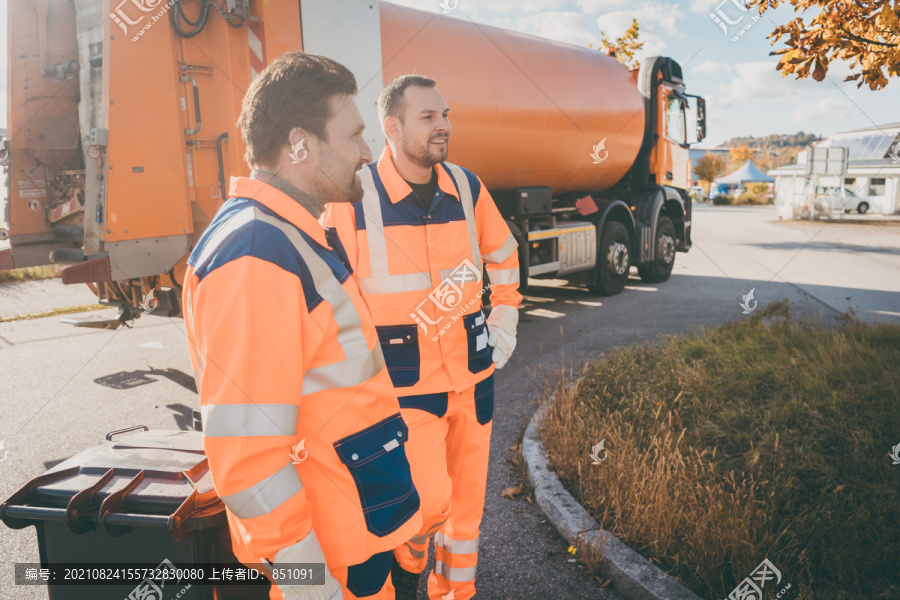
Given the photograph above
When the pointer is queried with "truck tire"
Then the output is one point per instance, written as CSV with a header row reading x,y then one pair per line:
x,y
661,267
613,260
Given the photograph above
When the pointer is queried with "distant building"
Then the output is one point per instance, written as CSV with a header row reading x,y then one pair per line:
x,y
873,173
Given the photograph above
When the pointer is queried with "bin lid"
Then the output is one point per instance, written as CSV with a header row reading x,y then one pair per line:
x,y
173,462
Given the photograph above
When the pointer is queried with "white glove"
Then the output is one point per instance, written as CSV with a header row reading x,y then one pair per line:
x,y
502,327
307,550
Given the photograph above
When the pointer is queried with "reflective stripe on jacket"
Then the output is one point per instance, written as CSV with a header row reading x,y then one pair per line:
x,y
421,272
285,351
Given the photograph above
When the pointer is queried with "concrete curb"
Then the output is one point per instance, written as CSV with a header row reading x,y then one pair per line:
x,y
634,576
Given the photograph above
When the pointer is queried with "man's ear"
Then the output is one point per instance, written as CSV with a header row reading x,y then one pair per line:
x,y
392,128
300,144
296,134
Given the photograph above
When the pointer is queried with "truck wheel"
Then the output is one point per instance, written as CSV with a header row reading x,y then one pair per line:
x,y
863,208
613,260
660,269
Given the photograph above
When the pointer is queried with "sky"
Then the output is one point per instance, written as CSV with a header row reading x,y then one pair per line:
x,y
745,94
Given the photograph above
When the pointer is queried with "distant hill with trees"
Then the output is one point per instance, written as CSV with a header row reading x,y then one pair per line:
x,y
770,151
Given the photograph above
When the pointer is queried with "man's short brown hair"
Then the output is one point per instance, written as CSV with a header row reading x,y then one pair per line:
x,y
390,102
294,91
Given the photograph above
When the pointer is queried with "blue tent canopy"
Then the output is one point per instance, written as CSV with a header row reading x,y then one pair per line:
x,y
747,173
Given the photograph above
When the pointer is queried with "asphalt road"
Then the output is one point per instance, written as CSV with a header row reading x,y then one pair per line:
x,y
62,389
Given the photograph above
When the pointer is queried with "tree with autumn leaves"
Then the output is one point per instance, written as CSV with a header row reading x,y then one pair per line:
x,y
865,33
626,46
709,167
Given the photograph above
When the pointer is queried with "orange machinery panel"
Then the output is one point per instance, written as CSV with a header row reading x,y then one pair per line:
x,y
147,175
525,110
225,60
43,110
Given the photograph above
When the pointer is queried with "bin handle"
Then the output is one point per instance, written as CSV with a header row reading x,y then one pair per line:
x,y
110,435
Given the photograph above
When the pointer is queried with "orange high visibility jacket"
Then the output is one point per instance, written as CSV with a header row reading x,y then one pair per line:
x,y
421,273
285,351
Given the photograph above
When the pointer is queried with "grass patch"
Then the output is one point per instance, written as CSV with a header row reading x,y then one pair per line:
x,y
55,311
765,438
30,273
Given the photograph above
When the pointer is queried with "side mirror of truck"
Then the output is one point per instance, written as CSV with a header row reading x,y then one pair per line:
x,y
696,120
701,119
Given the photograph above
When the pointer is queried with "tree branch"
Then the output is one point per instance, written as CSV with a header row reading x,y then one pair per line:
x,y
865,41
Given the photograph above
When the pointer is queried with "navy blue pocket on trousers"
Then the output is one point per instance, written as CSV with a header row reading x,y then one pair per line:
x,y
484,400
376,458
400,346
436,404
367,578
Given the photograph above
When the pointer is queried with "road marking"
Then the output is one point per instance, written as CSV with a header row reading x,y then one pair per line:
x,y
543,312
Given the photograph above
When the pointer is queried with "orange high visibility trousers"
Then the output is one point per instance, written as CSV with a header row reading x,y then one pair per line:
x,y
448,449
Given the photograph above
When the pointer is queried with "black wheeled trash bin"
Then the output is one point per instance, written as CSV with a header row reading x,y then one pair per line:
x,y
139,500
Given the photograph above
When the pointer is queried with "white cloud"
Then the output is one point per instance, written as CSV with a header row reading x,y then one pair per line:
x,y
703,7
595,6
829,107
710,67
758,81
562,26
655,20
652,47
729,7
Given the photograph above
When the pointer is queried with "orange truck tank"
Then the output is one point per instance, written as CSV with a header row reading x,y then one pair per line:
x,y
122,133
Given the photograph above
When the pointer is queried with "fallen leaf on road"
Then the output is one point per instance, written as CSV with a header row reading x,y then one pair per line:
x,y
511,492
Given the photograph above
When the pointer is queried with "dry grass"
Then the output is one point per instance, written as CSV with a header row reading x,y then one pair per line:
x,y
56,311
765,438
29,273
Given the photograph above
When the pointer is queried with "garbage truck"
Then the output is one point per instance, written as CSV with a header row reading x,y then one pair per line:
x,y
122,133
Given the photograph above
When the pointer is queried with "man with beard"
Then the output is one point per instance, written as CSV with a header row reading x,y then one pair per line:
x,y
418,242
302,428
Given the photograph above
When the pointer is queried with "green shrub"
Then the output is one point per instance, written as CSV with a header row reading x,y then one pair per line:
x,y
723,199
